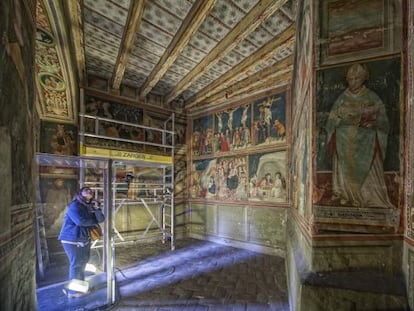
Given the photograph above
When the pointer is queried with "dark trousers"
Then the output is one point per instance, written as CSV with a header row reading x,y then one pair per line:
x,y
78,258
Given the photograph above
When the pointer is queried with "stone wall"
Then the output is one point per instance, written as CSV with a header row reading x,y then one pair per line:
x,y
334,274
260,229
238,174
343,252
17,254
408,264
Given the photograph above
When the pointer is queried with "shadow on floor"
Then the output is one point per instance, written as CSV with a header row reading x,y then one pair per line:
x,y
198,275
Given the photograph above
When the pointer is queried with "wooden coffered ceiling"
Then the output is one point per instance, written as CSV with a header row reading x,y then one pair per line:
x,y
187,53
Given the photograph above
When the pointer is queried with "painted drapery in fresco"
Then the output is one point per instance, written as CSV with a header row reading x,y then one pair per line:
x,y
358,134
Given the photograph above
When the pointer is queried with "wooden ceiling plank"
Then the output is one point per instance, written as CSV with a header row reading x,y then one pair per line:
x,y
280,68
274,80
76,26
269,83
284,40
250,22
190,25
133,23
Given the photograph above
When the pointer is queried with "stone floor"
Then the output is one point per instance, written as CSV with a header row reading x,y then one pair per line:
x,y
198,275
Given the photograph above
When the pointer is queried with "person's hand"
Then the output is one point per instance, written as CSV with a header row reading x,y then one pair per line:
x,y
365,124
368,120
96,204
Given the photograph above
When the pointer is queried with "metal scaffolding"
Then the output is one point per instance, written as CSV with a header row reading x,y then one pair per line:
x,y
114,194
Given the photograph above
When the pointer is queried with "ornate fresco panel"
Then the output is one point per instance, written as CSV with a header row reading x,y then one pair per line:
x,y
180,177
300,164
302,94
353,29
303,55
54,93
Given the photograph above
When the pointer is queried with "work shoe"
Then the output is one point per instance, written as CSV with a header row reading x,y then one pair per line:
x,y
73,295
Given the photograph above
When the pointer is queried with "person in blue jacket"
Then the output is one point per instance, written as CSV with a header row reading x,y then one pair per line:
x,y
81,215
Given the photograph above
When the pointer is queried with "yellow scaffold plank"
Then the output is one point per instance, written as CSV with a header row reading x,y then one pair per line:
x,y
124,155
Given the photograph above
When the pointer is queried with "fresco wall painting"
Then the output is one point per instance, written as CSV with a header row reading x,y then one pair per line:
x,y
180,176
358,122
56,193
58,138
226,164
302,94
103,108
57,183
257,177
202,137
267,177
355,29
256,123
127,113
410,131
300,165
303,56
52,72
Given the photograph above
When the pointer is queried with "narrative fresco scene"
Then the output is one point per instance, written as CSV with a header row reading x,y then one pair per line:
x,y
259,122
127,133
101,108
254,177
59,138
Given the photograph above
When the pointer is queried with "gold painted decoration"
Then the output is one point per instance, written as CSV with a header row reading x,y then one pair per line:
x,y
54,97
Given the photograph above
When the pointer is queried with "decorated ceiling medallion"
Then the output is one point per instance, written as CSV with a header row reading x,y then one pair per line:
x,y
51,82
44,37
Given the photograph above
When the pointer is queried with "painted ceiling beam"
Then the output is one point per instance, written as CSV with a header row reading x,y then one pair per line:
x,y
267,84
250,22
130,33
244,86
76,26
190,25
283,41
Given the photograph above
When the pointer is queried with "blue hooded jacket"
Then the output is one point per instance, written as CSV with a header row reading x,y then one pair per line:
x,y
79,218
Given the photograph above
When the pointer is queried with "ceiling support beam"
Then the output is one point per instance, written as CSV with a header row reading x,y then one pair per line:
x,y
284,41
190,25
251,82
130,33
252,20
270,83
76,26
